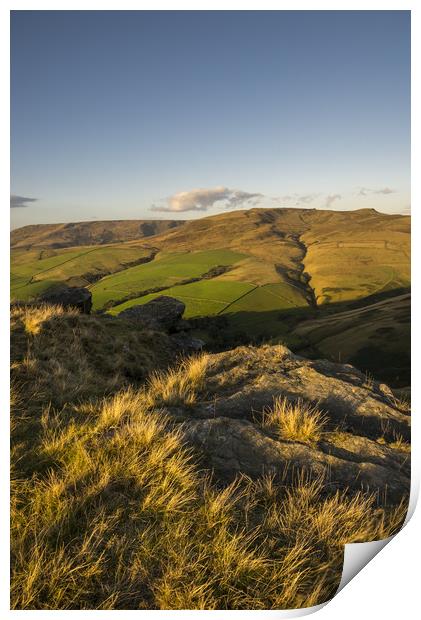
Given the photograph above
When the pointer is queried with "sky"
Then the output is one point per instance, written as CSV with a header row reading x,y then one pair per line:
x,y
183,114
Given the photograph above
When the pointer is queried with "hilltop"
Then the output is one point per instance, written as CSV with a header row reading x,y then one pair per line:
x,y
252,276
87,233
145,480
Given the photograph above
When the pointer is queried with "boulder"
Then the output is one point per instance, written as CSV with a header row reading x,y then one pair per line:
x,y
364,445
160,313
70,297
253,376
232,447
187,344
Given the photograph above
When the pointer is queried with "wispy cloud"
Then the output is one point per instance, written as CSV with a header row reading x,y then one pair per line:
x,y
20,201
331,198
366,191
205,198
295,199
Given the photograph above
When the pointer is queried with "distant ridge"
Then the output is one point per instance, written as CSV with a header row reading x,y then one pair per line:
x,y
88,233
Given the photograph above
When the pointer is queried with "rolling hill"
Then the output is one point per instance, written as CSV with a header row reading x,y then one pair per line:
x,y
245,276
87,233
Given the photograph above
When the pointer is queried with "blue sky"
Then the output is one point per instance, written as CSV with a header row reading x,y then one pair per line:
x,y
119,115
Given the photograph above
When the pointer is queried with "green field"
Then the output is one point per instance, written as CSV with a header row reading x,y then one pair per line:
x,y
29,264
35,271
268,297
201,298
167,270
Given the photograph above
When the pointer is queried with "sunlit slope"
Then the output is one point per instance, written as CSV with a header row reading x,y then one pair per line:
x,y
204,298
330,256
263,234
87,233
165,271
356,254
34,271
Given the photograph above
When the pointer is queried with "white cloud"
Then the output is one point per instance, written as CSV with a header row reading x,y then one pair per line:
x,y
203,199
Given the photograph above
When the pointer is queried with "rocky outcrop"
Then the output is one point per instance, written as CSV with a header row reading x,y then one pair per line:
x,y
160,313
70,297
252,376
231,447
363,445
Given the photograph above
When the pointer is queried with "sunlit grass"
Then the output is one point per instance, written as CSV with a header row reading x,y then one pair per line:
x,y
111,510
179,385
123,518
33,316
297,421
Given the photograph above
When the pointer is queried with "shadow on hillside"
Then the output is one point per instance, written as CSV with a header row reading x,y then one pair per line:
x,y
384,354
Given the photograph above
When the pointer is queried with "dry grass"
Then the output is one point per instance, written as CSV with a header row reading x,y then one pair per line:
x,y
122,518
178,386
403,403
110,511
368,381
33,316
61,356
297,421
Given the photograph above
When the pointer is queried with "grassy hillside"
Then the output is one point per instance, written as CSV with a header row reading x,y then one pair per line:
x,y
35,271
87,233
357,254
263,270
113,508
167,269
375,337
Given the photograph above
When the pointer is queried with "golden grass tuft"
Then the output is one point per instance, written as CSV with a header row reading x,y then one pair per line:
x,y
297,421
34,316
179,385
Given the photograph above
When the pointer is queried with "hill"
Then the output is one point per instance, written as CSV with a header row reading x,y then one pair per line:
x,y
252,276
87,233
145,480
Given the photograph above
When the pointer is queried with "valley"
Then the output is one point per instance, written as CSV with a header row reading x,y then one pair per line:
x,y
262,275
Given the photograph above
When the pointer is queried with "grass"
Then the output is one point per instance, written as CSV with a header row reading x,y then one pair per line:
x,y
30,291
204,298
111,510
35,271
124,519
33,317
297,421
167,269
268,298
97,260
61,356
179,385
357,272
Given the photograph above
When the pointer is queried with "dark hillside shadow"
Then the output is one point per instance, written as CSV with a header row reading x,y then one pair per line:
x,y
374,338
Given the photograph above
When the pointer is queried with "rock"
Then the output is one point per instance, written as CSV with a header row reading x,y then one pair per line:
x,y
187,344
70,297
363,444
231,447
160,313
253,376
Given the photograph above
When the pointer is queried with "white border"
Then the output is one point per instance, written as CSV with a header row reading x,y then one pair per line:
x,y
385,602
